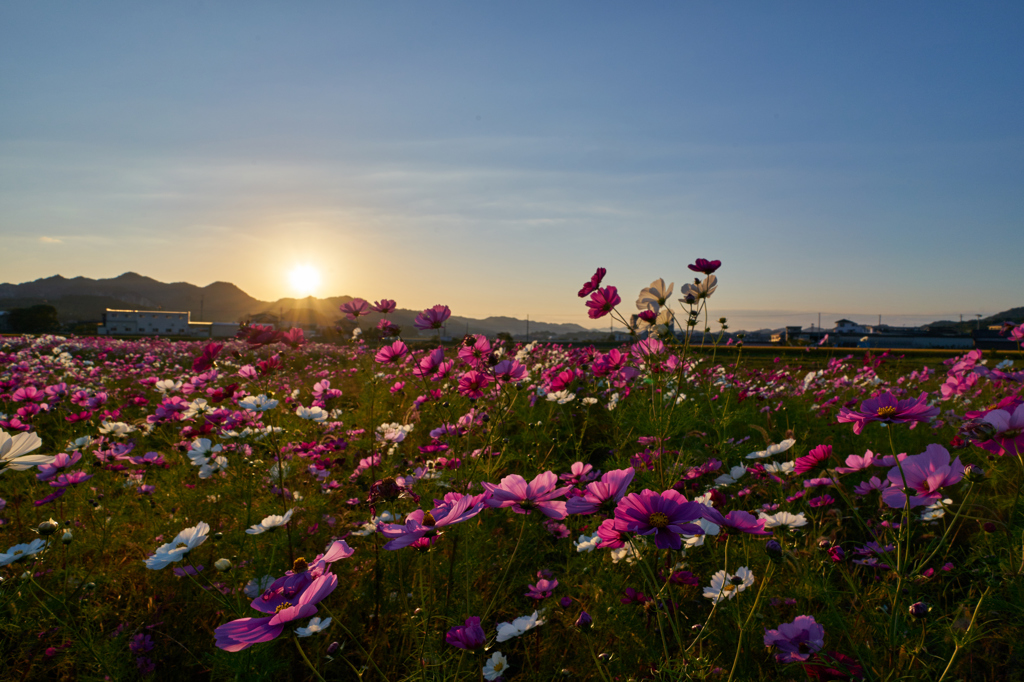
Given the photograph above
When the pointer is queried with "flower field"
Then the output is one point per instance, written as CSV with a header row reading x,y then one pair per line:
x,y
384,509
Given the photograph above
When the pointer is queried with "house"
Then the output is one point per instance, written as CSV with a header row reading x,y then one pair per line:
x,y
845,326
162,323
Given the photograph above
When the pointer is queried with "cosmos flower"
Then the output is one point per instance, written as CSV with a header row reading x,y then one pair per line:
x,y
14,452
602,301
726,586
926,475
773,449
604,493
22,551
886,408
708,267
522,497
652,298
469,636
666,516
593,284
495,666
432,318
392,353
175,550
691,293
812,459
796,641
519,626
315,625
355,308
270,523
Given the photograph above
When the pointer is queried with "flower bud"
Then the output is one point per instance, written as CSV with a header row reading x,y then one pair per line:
x,y
566,602
67,537
919,609
48,527
222,565
332,648
974,473
774,550
584,622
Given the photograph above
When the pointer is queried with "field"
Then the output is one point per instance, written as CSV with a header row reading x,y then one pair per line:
x,y
271,508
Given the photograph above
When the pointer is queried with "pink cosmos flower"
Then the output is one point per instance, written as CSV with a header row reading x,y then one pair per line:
x,y
579,473
593,284
605,493
926,474
384,306
857,463
393,353
475,350
468,636
510,371
355,308
666,516
886,408
708,267
602,301
610,538
1009,435
429,362
420,524
432,318
797,640
523,497
542,590
874,483
241,634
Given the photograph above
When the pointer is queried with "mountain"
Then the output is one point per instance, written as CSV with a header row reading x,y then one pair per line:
x,y
1014,315
81,299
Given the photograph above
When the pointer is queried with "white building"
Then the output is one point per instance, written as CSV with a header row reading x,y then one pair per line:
x,y
160,322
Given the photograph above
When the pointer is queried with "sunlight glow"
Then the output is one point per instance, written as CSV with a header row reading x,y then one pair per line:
x,y
305,279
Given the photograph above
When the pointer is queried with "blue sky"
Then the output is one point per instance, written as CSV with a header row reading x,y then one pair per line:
x,y
855,159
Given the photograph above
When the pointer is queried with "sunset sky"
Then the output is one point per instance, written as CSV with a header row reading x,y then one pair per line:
x,y
853,159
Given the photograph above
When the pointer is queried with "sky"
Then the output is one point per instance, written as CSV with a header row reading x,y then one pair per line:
x,y
849,159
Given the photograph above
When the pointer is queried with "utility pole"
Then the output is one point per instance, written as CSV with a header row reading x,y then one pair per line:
x,y
819,321
527,328
977,324
202,302
879,320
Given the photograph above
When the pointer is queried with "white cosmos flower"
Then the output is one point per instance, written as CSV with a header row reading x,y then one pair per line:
x,y
785,468
773,449
22,551
270,523
175,550
561,397
115,428
587,543
212,466
725,586
315,625
315,414
654,296
14,451
589,401
699,290
783,519
203,448
259,403
167,385
495,666
507,631
734,475
698,540
255,588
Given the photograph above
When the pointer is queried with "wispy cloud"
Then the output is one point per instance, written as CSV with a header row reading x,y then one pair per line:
x,y
50,240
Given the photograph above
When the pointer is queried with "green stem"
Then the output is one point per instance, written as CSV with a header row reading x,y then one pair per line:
x,y
306,659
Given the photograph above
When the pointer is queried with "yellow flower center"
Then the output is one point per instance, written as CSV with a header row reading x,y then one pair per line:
x,y
658,520
886,411
499,666
300,565
282,607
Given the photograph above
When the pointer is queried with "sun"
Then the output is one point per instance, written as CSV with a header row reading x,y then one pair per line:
x,y
305,279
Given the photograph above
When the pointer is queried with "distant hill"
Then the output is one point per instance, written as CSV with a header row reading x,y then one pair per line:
x,y
82,299
1015,315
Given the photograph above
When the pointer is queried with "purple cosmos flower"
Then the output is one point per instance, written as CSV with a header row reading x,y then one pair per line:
x,y
708,267
604,493
1009,431
602,301
542,590
796,641
926,474
432,318
384,306
736,520
468,636
666,516
886,408
610,537
593,284
355,308
523,497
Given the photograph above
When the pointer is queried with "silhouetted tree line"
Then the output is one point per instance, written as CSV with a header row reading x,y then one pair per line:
x,y
37,319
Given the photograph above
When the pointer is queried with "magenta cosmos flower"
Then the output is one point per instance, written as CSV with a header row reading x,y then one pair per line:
x,y
737,520
812,459
432,318
602,301
593,284
473,383
885,408
393,353
708,267
796,641
926,474
384,305
420,524
540,493
666,516
468,636
602,495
